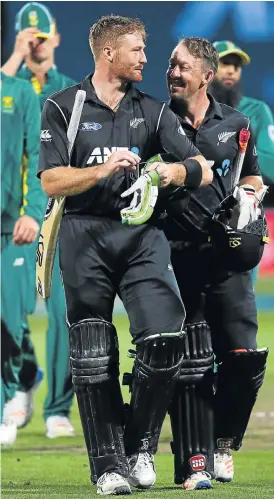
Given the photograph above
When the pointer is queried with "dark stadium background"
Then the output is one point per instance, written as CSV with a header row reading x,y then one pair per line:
x,y
248,24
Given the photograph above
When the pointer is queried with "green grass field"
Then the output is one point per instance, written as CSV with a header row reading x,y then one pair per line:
x,y
36,467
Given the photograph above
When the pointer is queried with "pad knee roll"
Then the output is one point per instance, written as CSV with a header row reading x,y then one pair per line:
x,y
94,354
160,358
198,353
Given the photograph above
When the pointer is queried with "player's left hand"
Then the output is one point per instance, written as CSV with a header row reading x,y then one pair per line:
x,y
165,171
25,231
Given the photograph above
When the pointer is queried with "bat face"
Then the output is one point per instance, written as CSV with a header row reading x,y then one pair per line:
x,y
46,247
41,242
47,242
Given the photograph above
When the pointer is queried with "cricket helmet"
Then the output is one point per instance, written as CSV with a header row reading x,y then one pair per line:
x,y
240,249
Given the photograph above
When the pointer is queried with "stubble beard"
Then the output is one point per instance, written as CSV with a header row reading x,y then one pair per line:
x,y
126,74
179,104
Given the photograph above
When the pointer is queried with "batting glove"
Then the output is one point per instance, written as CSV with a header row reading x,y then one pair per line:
x,y
247,204
145,194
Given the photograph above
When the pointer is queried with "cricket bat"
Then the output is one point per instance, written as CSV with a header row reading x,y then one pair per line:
x,y
234,203
47,242
243,142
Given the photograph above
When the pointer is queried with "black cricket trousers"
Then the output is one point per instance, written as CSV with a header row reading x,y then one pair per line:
x,y
226,300
100,257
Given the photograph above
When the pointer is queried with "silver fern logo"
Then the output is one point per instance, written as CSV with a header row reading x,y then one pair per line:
x,y
224,136
135,122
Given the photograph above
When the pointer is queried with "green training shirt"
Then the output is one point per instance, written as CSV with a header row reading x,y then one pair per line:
x,y
55,81
20,131
262,122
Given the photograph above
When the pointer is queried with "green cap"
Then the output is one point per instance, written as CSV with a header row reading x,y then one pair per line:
x,y
36,15
225,47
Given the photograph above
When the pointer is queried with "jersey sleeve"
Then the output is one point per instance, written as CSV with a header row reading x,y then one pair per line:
x,y
251,163
34,200
53,137
265,142
172,136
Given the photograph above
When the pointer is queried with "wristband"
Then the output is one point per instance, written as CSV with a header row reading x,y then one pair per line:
x,y
193,174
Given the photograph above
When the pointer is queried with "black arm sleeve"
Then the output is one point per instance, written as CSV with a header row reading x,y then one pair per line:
x,y
172,136
251,164
53,138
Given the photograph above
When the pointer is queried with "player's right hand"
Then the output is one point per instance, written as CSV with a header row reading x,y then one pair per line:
x,y
25,231
25,41
119,160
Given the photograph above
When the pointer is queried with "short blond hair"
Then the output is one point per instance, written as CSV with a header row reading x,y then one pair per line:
x,y
109,28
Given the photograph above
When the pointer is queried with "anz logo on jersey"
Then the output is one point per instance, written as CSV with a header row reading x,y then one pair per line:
x,y
101,155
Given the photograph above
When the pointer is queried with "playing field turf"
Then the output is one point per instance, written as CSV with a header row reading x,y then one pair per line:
x,y
36,467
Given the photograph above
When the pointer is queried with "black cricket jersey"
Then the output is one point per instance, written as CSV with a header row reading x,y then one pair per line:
x,y
217,139
141,124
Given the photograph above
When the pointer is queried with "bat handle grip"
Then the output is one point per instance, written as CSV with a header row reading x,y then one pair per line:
x,y
243,142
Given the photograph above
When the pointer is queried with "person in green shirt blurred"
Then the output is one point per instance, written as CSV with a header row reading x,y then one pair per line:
x,y
226,88
20,222
33,60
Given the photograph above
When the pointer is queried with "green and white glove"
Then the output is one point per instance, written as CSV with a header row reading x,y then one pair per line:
x,y
145,194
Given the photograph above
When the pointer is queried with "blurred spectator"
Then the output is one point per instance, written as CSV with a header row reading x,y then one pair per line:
x,y
35,46
226,88
20,116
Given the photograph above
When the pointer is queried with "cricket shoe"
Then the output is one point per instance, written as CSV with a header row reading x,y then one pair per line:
x,y
141,470
8,433
20,409
198,481
223,465
59,426
111,483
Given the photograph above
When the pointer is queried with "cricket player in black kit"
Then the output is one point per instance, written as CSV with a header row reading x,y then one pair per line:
x,y
100,257
221,316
